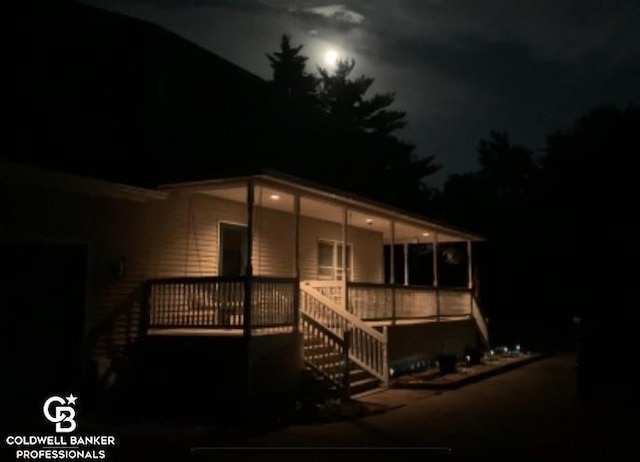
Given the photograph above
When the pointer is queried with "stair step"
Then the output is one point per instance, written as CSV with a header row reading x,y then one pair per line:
x,y
327,361
336,366
361,386
313,340
358,374
317,349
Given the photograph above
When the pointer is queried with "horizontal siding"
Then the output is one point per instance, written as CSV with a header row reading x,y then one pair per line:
x,y
273,251
368,255
184,232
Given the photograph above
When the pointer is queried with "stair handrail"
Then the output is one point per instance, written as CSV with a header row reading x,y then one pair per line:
x,y
480,321
356,324
341,347
356,321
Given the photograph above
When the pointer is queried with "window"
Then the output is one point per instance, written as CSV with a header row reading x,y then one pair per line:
x,y
330,260
233,250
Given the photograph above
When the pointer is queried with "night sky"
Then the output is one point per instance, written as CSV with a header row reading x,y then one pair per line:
x,y
460,68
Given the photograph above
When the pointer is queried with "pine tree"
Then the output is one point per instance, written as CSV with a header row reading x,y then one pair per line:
x,y
290,77
344,99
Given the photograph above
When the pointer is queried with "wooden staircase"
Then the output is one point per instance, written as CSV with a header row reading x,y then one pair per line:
x,y
349,354
330,360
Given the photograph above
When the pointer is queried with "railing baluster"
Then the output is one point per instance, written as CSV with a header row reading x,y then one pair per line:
x,y
216,302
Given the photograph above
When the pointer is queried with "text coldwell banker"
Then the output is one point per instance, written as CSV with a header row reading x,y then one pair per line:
x,y
76,440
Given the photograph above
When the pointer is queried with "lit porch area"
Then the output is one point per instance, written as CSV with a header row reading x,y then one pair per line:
x,y
271,234
346,274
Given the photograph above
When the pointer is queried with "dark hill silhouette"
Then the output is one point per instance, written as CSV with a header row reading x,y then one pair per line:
x,y
109,96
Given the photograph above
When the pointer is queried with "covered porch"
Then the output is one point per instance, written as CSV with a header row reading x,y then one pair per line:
x,y
296,259
274,234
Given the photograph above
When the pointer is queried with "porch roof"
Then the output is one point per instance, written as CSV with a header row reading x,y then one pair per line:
x,y
324,202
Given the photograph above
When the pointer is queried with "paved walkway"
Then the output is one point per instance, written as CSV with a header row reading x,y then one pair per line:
x,y
413,388
392,398
465,375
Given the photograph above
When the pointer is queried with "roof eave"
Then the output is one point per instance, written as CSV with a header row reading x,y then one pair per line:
x,y
302,186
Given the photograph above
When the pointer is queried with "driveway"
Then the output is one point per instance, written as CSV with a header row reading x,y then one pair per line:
x,y
533,410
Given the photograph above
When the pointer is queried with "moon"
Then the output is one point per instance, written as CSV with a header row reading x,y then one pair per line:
x,y
331,58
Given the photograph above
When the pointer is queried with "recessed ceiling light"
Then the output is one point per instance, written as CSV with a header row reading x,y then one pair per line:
x,y
275,197
425,234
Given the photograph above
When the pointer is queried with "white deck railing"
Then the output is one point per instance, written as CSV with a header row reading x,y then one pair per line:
x,y
383,302
219,302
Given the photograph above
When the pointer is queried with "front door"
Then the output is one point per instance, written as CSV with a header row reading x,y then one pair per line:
x,y
233,250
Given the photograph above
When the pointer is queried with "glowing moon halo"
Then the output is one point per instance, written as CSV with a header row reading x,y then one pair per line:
x,y
331,58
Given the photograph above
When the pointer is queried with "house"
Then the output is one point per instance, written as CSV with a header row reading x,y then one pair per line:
x,y
215,291
219,290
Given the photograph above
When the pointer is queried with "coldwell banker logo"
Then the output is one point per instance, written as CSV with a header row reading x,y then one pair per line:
x,y
61,412
63,416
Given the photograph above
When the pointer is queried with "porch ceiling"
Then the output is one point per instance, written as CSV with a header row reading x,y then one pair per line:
x,y
278,194
274,199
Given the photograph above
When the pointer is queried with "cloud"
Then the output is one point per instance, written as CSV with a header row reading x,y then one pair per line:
x,y
552,29
338,13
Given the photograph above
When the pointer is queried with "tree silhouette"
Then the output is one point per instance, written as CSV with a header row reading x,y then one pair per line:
x,y
354,142
494,198
498,200
560,231
289,71
589,186
344,99
380,164
509,170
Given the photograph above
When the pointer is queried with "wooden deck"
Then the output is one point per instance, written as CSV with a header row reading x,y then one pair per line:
x,y
212,332
403,322
196,331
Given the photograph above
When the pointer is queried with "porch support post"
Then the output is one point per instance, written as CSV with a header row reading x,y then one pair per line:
x,y
249,269
392,272
435,273
469,266
296,262
405,249
470,276
392,259
345,291
385,357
